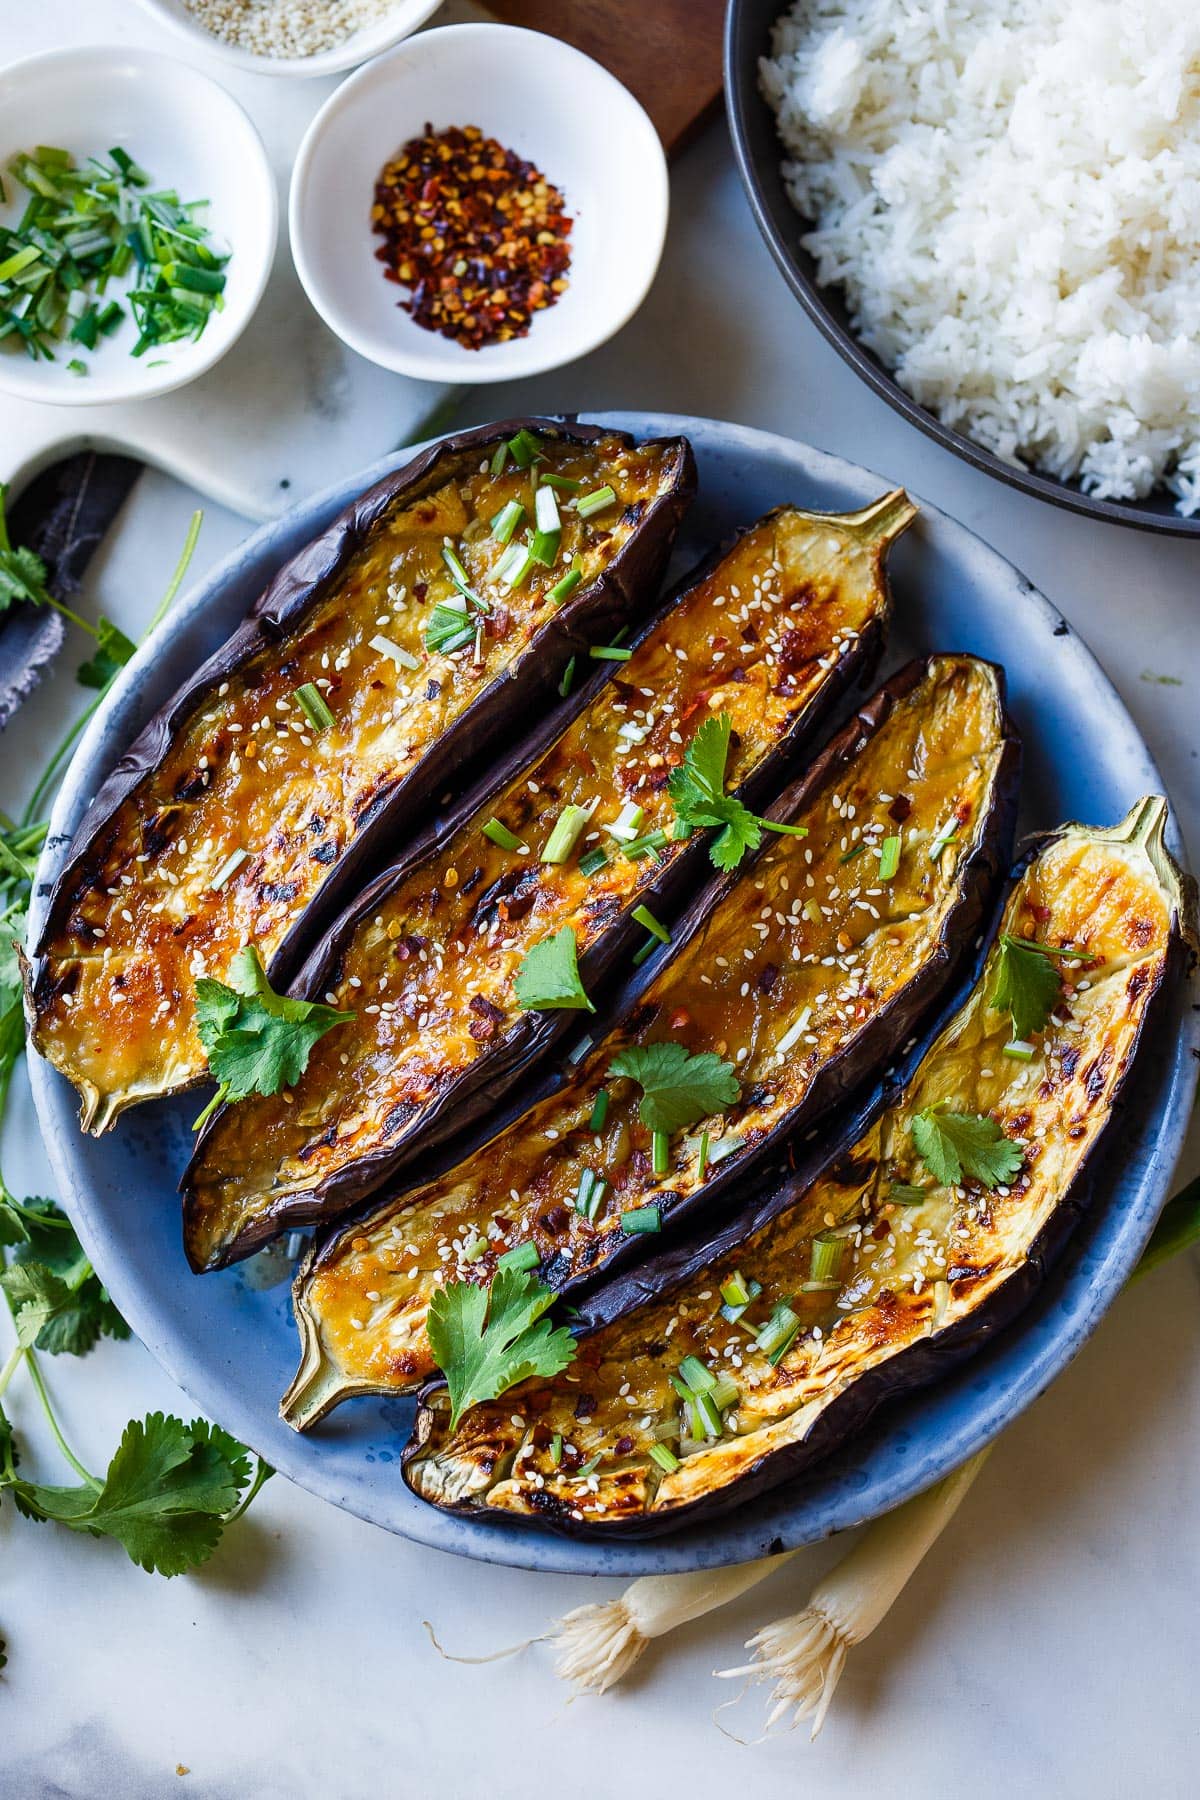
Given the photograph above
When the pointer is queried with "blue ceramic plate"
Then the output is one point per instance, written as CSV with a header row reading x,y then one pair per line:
x,y
231,1344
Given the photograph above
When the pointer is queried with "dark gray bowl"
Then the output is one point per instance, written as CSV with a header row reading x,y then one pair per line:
x,y
757,149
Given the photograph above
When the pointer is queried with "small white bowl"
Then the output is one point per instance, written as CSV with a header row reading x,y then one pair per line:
x,y
187,133
537,96
401,18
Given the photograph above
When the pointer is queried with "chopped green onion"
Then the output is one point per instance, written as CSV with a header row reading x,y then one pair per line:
x,y
599,1111
726,1393
313,706
404,658
734,1292
904,1193
733,1309
642,846
499,458
447,629
796,831
230,866
588,505
661,1151
568,676
648,948
568,830
889,858
545,511
777,1334
851,854
521,1257
589,1194
825,1257
944,838
702,1159
645,917
86,226
625,826
706,1420
475,1249
819,1287
666,1458
565,585
639,1220
514,566
588,1468
609,653
563,483
544,548
505,522
76,367
593,862
459,577
526,449
681,831
698,1378
725,1146
556,1449
1022,1051
21,259
501,836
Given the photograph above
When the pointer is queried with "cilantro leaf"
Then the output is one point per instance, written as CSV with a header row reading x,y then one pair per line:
x,y
697,790
22,575
113,650
165,1498
678,1089
548,978
257,1041
1027,986
952,1145
487,1339
75,1305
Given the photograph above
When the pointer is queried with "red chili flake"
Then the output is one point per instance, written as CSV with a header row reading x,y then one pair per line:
x,y
478,235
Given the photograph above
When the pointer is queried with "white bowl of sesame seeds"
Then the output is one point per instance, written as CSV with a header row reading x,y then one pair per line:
x,y
293,37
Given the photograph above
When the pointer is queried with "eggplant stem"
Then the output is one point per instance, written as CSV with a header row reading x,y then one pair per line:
x,y
881,522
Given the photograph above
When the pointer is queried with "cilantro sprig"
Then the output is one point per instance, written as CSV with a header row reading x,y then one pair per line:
x,y
23,579
548,978
1028,984
171,1489
487,1339
953,1145
257,1041
697,790
678,1088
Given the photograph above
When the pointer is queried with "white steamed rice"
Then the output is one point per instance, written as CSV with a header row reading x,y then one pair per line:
x,y
1009,193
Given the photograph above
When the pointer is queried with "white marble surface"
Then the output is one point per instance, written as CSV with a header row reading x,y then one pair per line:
x,y
1046,1649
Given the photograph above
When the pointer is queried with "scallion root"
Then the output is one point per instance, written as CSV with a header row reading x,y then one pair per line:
x,y
804,1654
600,1643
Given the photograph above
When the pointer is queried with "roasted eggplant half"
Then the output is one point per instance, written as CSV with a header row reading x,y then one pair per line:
x,y
767,634
730,1367
786,982
402,642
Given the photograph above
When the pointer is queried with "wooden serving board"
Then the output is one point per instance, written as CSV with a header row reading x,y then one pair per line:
x,y
667,52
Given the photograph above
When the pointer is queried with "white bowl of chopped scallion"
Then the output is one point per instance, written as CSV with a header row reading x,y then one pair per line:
x,y
137,225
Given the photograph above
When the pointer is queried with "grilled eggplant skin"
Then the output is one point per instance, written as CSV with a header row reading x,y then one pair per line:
x,y
229,821
920,1284
427,957
803,1002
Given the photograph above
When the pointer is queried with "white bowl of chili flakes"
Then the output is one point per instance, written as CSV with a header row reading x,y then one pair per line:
x,y
461,258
